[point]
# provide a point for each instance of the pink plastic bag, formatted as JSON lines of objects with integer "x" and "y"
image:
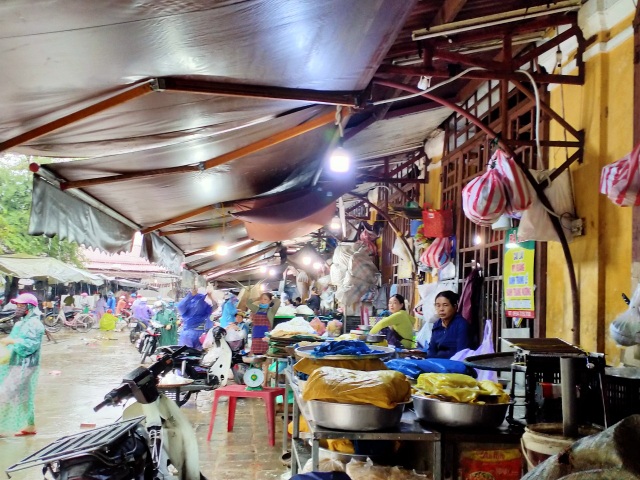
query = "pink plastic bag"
{"x": 484, "y": 198}
{"x": 485, "y": 348}
{"x": 620, "y": 181}
{"x": 519, "y": 191}
{"x": 438, "y": 254}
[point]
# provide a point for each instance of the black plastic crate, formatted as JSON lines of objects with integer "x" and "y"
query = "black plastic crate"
{"x": 622, "y": 397}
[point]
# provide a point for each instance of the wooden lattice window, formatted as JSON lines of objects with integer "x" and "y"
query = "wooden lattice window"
{"x": 467, "y": 152}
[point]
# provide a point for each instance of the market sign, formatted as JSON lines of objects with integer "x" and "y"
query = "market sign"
{"x": 518, "y": 276}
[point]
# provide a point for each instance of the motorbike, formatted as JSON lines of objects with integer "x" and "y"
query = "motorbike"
{"x": 149, "y": 340}
{"x": 210, "y": 368}
{"x": 136, "y": 329}
{"x": 154, "y": 440}
{"x": 7, "y": 321}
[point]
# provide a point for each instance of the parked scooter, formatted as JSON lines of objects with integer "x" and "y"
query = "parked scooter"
{"x": 153, "y": 441}
{"x": 7, "y": 321}
{"x": 149, "y": 340}
{"x": 208, "y": 368}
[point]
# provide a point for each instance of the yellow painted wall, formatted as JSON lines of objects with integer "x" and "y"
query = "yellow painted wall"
{"x": 603, "y": 107}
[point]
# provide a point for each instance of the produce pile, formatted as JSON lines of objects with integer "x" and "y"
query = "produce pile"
{"x": 455, "y": 387}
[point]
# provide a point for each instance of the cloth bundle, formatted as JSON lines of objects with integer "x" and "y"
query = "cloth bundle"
{"x": 383, "y": 388}
{"x": 341, "y": 347}
{"x": 413, "y": 368}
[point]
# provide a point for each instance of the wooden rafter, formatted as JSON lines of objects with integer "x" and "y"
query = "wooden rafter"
{"x": 207, "y": 259}
{"x": 448, "y": 12}
{"x": 212, "y": 248}
{"x": 231, "y": 223}
{"x": 241, "y": 260}
{"x": 313, "y": 124}
{"x": 98, "y": 107}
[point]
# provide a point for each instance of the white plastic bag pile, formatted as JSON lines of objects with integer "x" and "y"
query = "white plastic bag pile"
{"x": 353, "y": 273}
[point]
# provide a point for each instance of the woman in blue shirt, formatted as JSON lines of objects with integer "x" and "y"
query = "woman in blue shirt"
{"x": 451, "y": 331}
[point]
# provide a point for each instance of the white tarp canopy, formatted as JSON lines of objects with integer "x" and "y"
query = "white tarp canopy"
{"x": 41, "y": 268}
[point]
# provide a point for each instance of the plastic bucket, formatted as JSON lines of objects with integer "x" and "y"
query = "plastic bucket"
{"x": 543, "y": 440}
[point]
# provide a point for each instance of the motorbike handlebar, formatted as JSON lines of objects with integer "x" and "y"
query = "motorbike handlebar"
{"x": 124, "y": 391}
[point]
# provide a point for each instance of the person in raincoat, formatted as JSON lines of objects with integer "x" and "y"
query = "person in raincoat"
{"x": 166, "y": 317}
{"x": 111, "y": 301}
{"x": 108, "y": 321}
{"x": 229, "y": 310}
{"x": 19, "y": 377}
{"x": 141, "y": 310}
{"x": 196, "y": 309}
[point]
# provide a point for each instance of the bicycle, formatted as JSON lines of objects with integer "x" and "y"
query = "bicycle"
{"x": 75, "y": 319}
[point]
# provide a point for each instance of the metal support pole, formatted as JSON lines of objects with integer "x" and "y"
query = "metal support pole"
{"x": 569, "y": 382}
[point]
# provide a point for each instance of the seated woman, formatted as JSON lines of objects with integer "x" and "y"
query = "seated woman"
{"x": 399, "y": 324}
{"x": 451, "y": 332}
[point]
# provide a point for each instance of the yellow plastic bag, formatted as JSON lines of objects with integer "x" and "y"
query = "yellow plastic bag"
{"x": 309, "y": 365}
{"x": 382, "y": 388}
{"x": 460, "y": 388}
{"x": 341, "y": 445}
{"x": 303, "y": 426}
{"x": 5, "y": 355}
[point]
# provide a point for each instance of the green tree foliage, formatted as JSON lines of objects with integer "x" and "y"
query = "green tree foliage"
{"x": 15, "y": 208}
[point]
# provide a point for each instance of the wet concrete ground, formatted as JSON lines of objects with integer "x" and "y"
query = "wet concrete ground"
{"x": 77, "y": 372}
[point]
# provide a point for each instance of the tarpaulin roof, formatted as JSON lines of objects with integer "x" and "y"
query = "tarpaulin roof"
{"x": 51, "y": 269}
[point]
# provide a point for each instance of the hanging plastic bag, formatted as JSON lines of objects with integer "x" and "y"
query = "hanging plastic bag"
{"x": 484, "y": 198}
{"x": 535, "y": 223}
{"x": 485, "y": 348}
{"x": 437, "y": 223}
{"x": 520, "y": 192}
{"x": 625, "y": 329}
{"x": 620, "y": 181}
{"x": 438, "y": 254}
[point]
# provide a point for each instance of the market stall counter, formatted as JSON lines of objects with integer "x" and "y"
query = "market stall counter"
{"x": 409, "y": 429}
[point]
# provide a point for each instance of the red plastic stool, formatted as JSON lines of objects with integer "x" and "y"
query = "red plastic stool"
{"x": 234, "y": 392}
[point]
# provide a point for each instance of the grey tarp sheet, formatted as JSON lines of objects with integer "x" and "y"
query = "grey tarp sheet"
{"x": 54, "y": 212}
{"x": 51, "y": 269}
{"x": 157, "y": 251}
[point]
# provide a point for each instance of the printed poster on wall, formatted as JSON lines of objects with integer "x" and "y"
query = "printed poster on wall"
{"x": 518, "y": 276}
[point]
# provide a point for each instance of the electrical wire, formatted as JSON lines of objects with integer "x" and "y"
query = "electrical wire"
{"x": 430, "y": 89}
{"x": 537, "y": 96}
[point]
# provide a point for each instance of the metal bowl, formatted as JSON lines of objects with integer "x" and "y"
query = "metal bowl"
{"x": 358, "y": 418}
{"x": 375, "y": 338}
{"x": 454, "y": 414}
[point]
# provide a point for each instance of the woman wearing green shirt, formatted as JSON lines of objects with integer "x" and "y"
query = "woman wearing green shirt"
{"x": 399, "y": 324}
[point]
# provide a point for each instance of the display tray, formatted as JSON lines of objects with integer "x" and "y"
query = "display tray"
{"x": 497, "y": 362}
{"x": 378, "y": 352}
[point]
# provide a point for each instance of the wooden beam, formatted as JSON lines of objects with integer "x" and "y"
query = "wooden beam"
{"x": 231, "y": 223}
{"x": 204, "y": 261}
{"x": 321, "y": 121}
{"x": 212, "y": 248}
{"x": 546, "y": 46}
{"x": 247, "y": 258}
{"x": 461, "y": 58}
{"x": 448, "y": 12}
{"x": 481, "y": 75}
{"x": 98, "y": 107}
{"x": 343, "y": 98}
{"x": 179, "y": 218}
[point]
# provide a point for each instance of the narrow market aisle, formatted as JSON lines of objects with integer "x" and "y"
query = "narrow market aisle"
{"x": 77, "y": 372}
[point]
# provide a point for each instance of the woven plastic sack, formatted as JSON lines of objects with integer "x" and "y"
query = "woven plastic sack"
{"x": 484, "y": 198}
{"x": 438, "y": 254}
{"x": 625, "y": 329}
{"x": 620, "y": 181}
{"x": 382, "y": 388}
{"x": 520, "y": 193}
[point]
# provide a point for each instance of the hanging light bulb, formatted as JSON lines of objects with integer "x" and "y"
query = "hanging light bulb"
{"x": 306, "y": 260}
{"x": 272, "y": 272}
{"x": 317, "y": 265}
{"x": 263, "y": 269}
{"x": 340, "y": 160}
{"x": 477, "y": 240}
{"x": 222, "y": 250}
{"x": 335, "y": 224}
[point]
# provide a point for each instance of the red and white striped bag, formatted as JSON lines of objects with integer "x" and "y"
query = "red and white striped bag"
{"x": 484, "y": 198}
{"x": 520, "y": 193}
{"x": 438, "y": 254}
{"x": 620, "y": 181}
